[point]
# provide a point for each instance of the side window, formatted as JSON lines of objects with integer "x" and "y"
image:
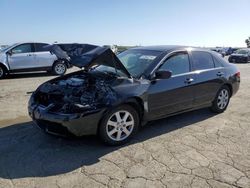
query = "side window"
{"x": 23, "y": 48}
{"x": 177, "y": 64}
{"x": 202, "y": 60}
{"x": 39, "y": 47}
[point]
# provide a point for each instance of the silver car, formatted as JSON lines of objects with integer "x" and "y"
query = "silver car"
{"x": 26, "y": 57}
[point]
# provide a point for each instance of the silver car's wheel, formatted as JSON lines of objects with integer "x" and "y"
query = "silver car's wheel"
{"x": 223, "y": 99}
{"x": 59, "y": 68}
{"x": 120, "y": 125}
{"x": 2, "y": 72}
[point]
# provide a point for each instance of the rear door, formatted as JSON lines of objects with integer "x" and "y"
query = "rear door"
{"x": 22, "y": 57}
{"x": 167, "y": 96}
{"x": 43, "y": 57}
{"x": 208, "y": 75}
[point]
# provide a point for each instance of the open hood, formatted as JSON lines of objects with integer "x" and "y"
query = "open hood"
{"x": 86, "y": 55}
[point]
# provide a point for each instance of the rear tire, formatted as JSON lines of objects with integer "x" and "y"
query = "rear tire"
{"x": 119, "y": 125}
{"x": 221, "y": 100}
{"x": 2, "y": 72}
{"x": 59, "y": 68}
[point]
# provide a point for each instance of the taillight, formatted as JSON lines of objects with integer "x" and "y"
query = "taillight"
{"x": 237, "y": 74}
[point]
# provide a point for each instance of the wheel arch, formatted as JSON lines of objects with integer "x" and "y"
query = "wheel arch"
{"x": 230, "y": 88}
{"x": 64, "y": 61}
{"x": 137, "y": 104}
{"x": 4, "y": 67}
{"x": 134, "y": 102}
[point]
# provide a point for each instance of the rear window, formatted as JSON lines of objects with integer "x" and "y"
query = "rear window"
{"x": 217, "y": 63}
{"x": 202, "y": 60}
{"x": 39, "y": 47}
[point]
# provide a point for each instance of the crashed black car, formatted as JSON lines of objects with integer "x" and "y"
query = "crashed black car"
{"x": 112, "y": 96}
{"x": 240, "y": 56}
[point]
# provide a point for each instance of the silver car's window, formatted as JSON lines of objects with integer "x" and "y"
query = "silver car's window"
{"x": 177, "y": 64}
{"x": 39, "y": 47}
{"x": 23, "y": 48}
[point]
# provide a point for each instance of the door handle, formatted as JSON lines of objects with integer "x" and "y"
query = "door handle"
{"x": 29, "y": 55}
{"x": 220, "y": 74}
{"x": 188, "y": 80}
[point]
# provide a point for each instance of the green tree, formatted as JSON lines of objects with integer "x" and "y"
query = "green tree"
{"x": 247, "y": 41}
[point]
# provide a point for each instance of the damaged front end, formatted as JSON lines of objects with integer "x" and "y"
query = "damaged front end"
{"x": 77, "y": 99}
{"x": 77, "y": 94}
{"x": 76, "y": 102}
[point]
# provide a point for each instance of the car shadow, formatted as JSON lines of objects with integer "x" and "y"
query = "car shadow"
{"x": 25, "y": 151}
{"x": 28, "y": 75}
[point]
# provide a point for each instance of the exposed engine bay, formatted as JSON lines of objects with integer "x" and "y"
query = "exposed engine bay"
{"x": 77, "y": 93}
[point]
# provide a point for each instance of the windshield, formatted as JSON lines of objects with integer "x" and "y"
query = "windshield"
{"x": 112, "y": 71}
{"x": 137, "y": 61}
{"x": 7, "y": 48}
{"x": 243, "y": 52}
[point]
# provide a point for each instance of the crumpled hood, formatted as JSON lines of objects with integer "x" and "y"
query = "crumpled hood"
{"x": 87, "y": 55}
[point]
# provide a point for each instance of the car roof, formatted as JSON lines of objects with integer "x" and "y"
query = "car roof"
{"x": 159, "y": 47}
{"x": 168, "y": 48}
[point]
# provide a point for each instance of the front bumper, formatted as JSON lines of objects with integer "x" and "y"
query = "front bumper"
{"x": 78, "y": 124}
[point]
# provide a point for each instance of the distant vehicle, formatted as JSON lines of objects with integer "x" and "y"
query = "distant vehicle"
{"x": 228, "y": 51}
{"x": 26, "y": 57}
{"x": 219, "y": 51}
{"x": 234, "y": 50}
{"x": 114, "y": 95}
{"x": 3, "y": 46}
{"x": 224, "y": 51}
{"x": 240, "y": 56}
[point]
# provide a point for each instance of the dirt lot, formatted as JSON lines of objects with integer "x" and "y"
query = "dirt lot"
{"x": 196, "y": 149}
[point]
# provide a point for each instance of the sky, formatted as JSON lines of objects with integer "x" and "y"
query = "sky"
{"x": 203, "y": 23}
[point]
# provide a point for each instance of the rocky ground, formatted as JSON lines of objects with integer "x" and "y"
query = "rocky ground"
{"x": 195, "y": 149}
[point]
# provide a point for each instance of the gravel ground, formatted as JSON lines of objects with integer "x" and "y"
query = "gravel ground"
{"x": 195, "y": 149}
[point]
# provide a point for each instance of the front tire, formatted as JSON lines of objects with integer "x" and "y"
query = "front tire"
{"x": 221, "y": 100}
{"x": 2, "y": 72}
{"x": 59, "y": 68}
{"x": 119, "y": 125}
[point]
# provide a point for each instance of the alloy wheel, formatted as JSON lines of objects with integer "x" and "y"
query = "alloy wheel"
{"x": 120, "y": 125}
{"x": 60, "y": 68}
{"x": 1, "y": 72}
{"x": 223, "y": 99}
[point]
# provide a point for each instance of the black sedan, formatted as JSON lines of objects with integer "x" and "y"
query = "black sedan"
{"x": 112, "y": 96}
{"x": 240, "y": 56}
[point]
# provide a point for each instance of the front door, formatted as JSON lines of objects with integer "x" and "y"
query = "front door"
{"x": 168, "y": 96}
{"x": 21, "y": 57}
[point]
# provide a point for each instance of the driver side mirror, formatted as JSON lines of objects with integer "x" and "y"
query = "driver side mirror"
{"x": 9, "y": 53}
{"x": 163, "y": 74}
